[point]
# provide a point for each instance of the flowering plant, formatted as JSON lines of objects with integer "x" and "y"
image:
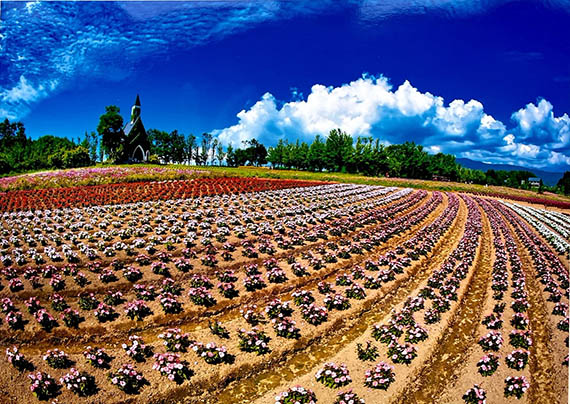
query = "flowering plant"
{"x": 144, "y": 292}
{"x": 337, "y": 301}
{"x": 520, "y": 339}
{"x": 137, "y": 349}
{"x": 519, "y": 305}
{"x": 355, "y": 291}
{"x": 277, "y": 308}
{"x": 218, "y": 329}
{"x": 172, "y": 367}
{"x": 169, "y": 303}
{"x": 137, "y": 310}
{"x": 113, "y": 298}
{"x": 325, "y": 287}
{"x": 132, "y": 274}
{"x": 519, "y": 321}
{"x": 285, "y": 327}
{"x": 333, "y": 375}
{"x": 493, "y": 321}
{"x": 516, "y": 386}
{"x": 432, "y": 316}
{"x": 302, "y": 297}
{"x": 15, "y": 320}
{"x": 43, "y": 385}
{"x": 416, "y": 333}
{"x": 253, "y": 282}
{"x": 475, "y": 395}
{"x": 105, "y": 313}
{"x": 348, "y": 397}
{"x": 250, "y": 314}
{"x": 97, "y": 357}
{"x": 127, "y": 379}
{"x": 18, "y": 360}
{"x": 492, "y": 341}
{"x": 488, "y": 364}
{"x": 71, "y": 317}
{"x": 517, "y": 359}
{"x": 81, "y": 383}
{"x": 380, "y": 377}
{"x": 296, "y": 395}
{"x": 228, "y": 290}
{"x": 253, "y": 341}
{"x": 45, "y": 319}
{"x": 368, "y": 353}
{"x": 201, "y": 296}
{"x": 175, "y": 340}
{"x": 211, "y": 353}
{"x": 57, "y": 359}
{"x": 314, "y": 314}
{"x": 58, "y": 303}
{"x": 402, "y": 353}
{"x": 87, "y": 301}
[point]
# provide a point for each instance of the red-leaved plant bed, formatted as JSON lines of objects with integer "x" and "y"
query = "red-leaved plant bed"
{"x": 108, "y": 194}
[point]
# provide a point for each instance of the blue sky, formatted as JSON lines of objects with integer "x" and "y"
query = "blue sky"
{"x": 485, "y": 80}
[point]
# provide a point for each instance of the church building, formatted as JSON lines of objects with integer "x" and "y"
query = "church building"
{"x": 137, "y": 144}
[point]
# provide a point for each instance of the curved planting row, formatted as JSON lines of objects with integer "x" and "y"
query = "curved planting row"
{"x": 527, "y": 199}
{"x": 400, "y": 347}
{"x": 356, "y": 293}
{"x": 107, "y": 194}
{"x": 548, "y": 225}
{"x": 105, "y": 312}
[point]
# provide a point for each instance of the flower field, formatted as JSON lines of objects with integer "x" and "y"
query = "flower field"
{"x": 241, "y": 290}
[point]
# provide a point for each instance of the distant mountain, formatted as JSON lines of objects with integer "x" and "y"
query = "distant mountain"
{"x": 549, "y": 178}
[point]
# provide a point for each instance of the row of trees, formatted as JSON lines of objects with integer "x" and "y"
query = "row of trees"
{"x": 19, "y": 153}
{"x": 337, "y": 153}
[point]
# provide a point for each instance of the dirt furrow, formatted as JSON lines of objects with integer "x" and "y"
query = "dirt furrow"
{"x": 223, "y": 310}
{"x": 444, "y": 364}
{"x": 247, "y": 389}
{"x": 542, "y": 360}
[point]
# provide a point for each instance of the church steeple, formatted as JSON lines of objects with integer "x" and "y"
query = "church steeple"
{"x": 136, "y": 109}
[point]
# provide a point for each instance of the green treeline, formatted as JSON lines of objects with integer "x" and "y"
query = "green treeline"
{"x": 18, "y": 153}
{"x": 338, "y": 152}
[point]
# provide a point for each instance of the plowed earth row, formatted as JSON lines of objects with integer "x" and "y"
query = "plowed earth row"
{"x": 445, "y": 365}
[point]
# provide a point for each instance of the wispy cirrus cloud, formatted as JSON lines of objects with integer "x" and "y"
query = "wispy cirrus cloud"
{"x": 54, "y": 45}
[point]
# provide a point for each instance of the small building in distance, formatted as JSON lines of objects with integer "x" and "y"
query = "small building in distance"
{"x": 137, "y": 144}
{"x": 534, "y": 182}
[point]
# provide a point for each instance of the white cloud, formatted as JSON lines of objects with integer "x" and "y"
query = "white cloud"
{"x": 537, "y": 123}
{"x": 369, "y": 106}
{"x": 15, "y": 101}
{"x": 365, "y": 107}
{"x": 23, "y": 91}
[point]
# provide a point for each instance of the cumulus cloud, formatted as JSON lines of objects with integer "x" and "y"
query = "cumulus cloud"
{"x": 371, "y": 106}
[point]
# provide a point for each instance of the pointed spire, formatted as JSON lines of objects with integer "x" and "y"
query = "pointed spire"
{"x": 138, "y": 101}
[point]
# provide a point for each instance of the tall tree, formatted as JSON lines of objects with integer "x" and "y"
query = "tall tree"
{"x": 220, "y": 153}
{"x": 190, "y": 143}
{"x": 214, "y": 149}
{"x": 206, "y": 143}
{"x": 338, "y": 150}
{"x": 231, "y": 157}
{"x": 110, "y": 129}
{"x": 316, "y": 158}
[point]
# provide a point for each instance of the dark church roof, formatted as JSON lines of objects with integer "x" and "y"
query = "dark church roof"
{"x": 130, "y": 125}
{"x": 138, "y": 101}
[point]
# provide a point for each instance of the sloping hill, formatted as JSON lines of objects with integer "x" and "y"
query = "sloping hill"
{"x": 549, "y": 178}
